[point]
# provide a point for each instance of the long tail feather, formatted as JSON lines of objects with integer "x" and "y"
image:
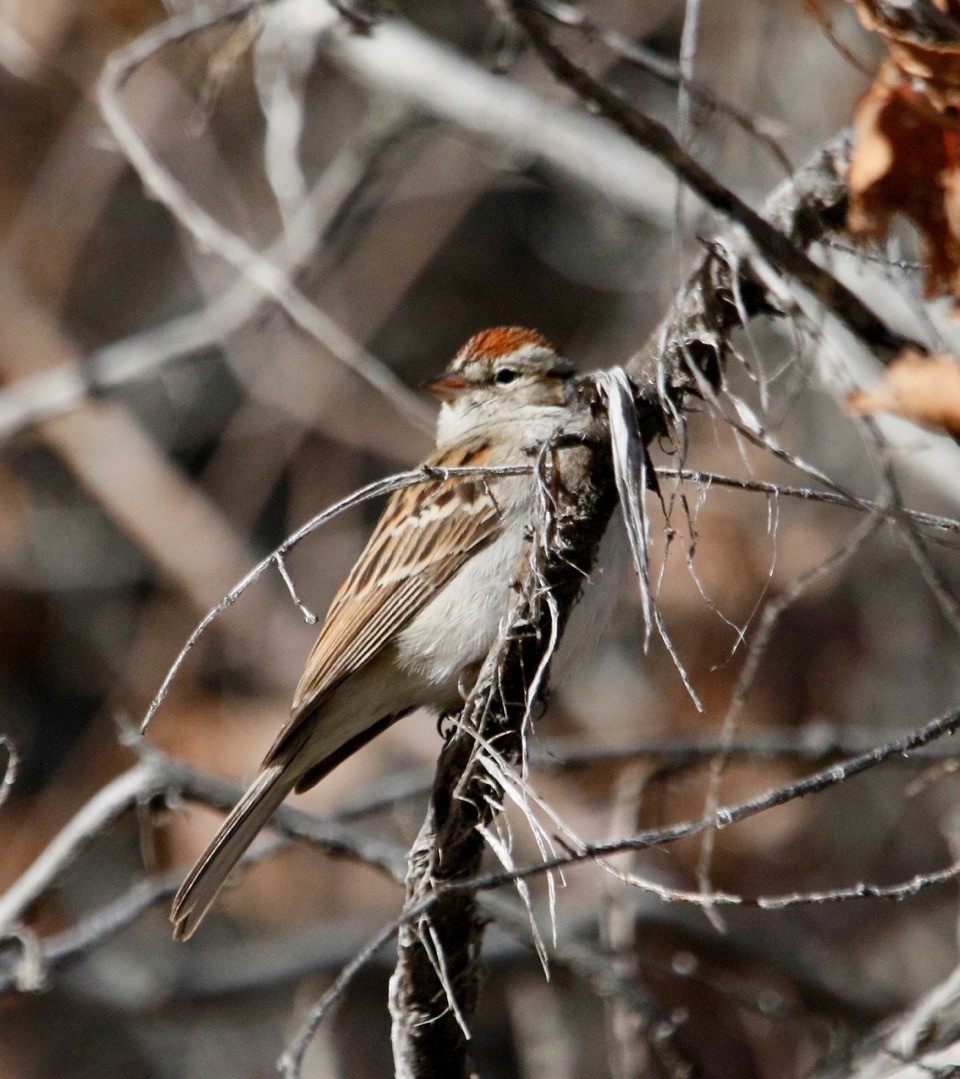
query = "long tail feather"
{"x": 275, "y": 781}
{"x": 238, "y": 831}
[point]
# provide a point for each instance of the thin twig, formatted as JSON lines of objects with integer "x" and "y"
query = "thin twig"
{"x": 666, "y": 71}
{"x": 64, "y": 387}
{"x": 276, "y": 557}
{"x": 832, "y": 497}
{"x": 141, "y": 781}
{"x": 772, "y": 613}
{"x": 291, "y": 1062}
{"x": 207, "y": 231}
{"x": 840, "y": 301}
{"x": 169, "y": 778}
{"x": 725, "y": 816}
{"x": 10, "y": 768}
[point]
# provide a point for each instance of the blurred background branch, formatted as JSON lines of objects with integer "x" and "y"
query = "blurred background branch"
{"x": 335, "y": 199}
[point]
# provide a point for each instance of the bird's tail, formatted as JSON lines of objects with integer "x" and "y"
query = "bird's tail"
{"x": 238, "y": 831}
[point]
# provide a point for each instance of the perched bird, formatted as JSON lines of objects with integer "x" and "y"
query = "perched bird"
{"x": 424, "y": 601}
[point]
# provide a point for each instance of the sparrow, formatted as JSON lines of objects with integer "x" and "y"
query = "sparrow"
{"x": 422, "y": 606}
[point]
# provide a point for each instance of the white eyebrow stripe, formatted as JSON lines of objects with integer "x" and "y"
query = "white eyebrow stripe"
{"x": 529, "y": 351}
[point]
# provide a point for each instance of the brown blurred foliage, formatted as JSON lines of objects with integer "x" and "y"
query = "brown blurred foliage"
{"x": 925, "y": 389}
{"x": 906, "y": 157}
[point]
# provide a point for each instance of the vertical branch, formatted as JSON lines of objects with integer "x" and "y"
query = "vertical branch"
{"x": 433, "y": 990}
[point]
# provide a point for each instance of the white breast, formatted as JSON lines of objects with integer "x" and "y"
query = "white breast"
{"x": 457, "y": 628}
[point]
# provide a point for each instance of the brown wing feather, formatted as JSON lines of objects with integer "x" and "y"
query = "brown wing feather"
{"x": 417, "y": 546}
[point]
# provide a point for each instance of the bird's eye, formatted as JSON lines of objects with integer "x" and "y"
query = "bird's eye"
{"x": 504, "y": 375}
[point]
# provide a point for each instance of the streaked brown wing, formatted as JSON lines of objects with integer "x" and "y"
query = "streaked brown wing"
{"x": 423, "y": 537}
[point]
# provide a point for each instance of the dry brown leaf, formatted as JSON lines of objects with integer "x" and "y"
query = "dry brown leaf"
{"x": 906, "y": 153}
{"x": 925, "y": 389}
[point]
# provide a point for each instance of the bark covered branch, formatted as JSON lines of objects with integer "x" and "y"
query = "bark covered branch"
{"x": 434, "y": 988}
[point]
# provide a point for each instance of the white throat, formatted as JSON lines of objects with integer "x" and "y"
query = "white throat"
{"x": 527, "y": 424}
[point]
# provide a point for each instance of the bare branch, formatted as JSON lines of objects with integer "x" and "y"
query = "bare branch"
{"x": 422, "y": 1035}
{"x": 770, "y": 241}
{"x": 427, "y": 1037}
{"x": 399, "y": 61}
{"x": 64, "y": 387}
{"x": 725, "y": 816}
{"x": 773, "y": 611}
{"x": 278, "y": 555}
{"x": 207, "y": 231}
{"x": 10, "y": 768}
{"x": 834, "y": 497}
{"x": 292, "y": 1060}
{"x": 666, "y": 71}
{"x": 141, "y": 781}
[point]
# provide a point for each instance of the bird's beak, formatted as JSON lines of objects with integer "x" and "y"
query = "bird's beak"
{"x": 447, "y": 388}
